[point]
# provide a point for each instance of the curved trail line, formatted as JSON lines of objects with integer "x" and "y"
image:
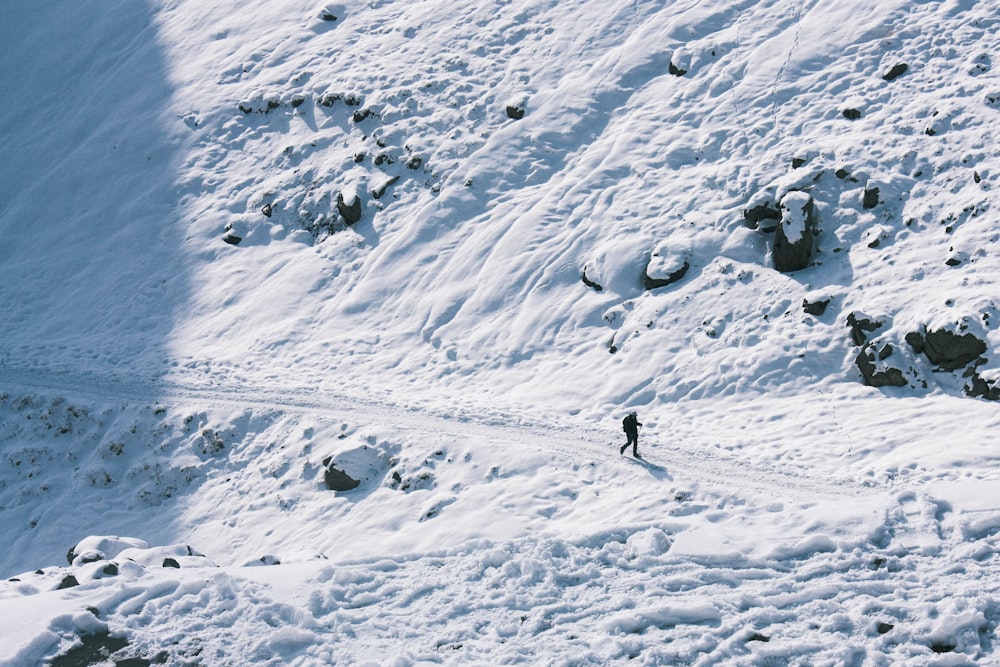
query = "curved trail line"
{"x": 571, "y": 440}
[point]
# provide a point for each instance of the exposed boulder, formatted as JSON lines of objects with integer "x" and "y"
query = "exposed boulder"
{"x": 870, "y": 199}
{"x": 861, "y": 325}
{"x": 665, "y": 267}
{"x": 354, "y": 467}
{"x": 680, "y": 63}
{"x": 981, "y": 387}
{"x": 338, "y": 480}
{"x": 851, "y": 113}
{"x": 793, "y": 240}
{"x": 947, "y": 349}
{"x": 816, "y": 307}
{"x": 762, "y": 212}
{"x": 597, "y": 287}
{"x": 896, "y": 71}
{"x": 379, "y": 191}
{"x": 349, "y": 205}
{"x": 874, "y": 370}
{"x": 516, "y": 107}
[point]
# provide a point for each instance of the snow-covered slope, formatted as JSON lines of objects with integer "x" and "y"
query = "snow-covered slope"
{"x": 444, "y": 247}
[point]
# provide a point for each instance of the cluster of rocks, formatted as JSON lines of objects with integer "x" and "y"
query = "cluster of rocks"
{"x": 947, "y": 348}
{"x": 318, "y": 213}
{"x": 103, "y": 556}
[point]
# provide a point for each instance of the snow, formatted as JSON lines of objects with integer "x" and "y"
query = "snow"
{"x": 170, "y": 400}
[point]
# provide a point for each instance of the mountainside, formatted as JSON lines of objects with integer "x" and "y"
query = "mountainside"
{"x": 439, "y": 249}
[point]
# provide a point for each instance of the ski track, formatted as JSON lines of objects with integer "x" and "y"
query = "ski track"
{"x": 567, "y": 439}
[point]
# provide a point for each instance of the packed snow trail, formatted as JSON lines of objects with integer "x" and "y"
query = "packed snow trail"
{"x": 555, "y": 434}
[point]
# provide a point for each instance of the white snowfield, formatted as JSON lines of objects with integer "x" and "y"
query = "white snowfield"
{"x": 251, "y": 249}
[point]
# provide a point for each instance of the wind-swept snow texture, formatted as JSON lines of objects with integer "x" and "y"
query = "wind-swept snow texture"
{"x": 439, "y": 249}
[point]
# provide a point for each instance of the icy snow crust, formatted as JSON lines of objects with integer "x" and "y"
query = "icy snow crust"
{"x": 168, "y": 397}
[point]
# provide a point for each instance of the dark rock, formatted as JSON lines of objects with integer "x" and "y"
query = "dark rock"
{"x": 752, "y": 217}
{"x": 916, "y": 341}
{"x": 976, "y": 177}
{"x": 873, "y": 377}
{"x": 267, "y": 210}
{"x": 414, "y": 162}
{"x": 232, "y": 239}
{"x": 99, "y": 648}
{"x": 983, "y": 388}
{"x": 383, "y": 158}
{"x": 362, "y": 115}
{"x": 871, "y": 197}
{"x": 859, "y": 324}
{"x": 71, "y": 554}
{"x": 897, "y": 70}
{"x": 953, "y": 261}
{"x": 817, "y": 307}
{"x": 350, "y": 210}
{"x": 757, "y": 637}
{"x": 327, "y": 15}
{"x": 590, "y": 283}
{"x": 329, "y": 100}
{"x": 950, "y": 350}
{"x": 841, "y": 173}
{"x": 672, "y": 277}
{"x": 338, "y": 480}
{"x": 793, "y": 240}
{"x": 798, "y": 162}
{"x": 69, "y": 581}
{"x": 298, "y": 100}
{"x": 171, "y": 562}
{"x": 110, "y": 569}
{"x": 675, "y": 70}
{"x": 851, "y": 114}
{"x": 883, "y": 628}
{"x": 380, "y": 191}
{"x": 942, "y": 647}
{"x": 515, "y": 111}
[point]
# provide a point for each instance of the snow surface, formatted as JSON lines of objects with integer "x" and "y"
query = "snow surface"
{"x": 168, "y": 397}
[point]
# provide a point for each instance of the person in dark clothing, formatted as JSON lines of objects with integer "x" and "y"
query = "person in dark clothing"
{"x": 631, "y": 427}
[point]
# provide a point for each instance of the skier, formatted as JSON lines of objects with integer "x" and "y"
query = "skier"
{"x": 631, "y": 427}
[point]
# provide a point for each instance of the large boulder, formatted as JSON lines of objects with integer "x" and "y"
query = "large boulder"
{"x": 349, "y": 205}
{"x": 793, "y": 240}
{"x": 947, "y": 349}
{"x": 665, "y": 267}
{"x": 875, "y": 372}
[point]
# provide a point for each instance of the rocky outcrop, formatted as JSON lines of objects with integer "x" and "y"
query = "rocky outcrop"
{"x": 336, "y": 479}
{"x": 762, "y": 212}
{"x": 861, "y": 325}
{"x": 947, "y": 349}
{"x": 662, "y": 280}
{"x": 793, "y": 240}
{"x": 349, "y": 206}
{"x": 666, "y": 266}
{"x": 981, "y": 387}
{"x": 874, "y": 370}
{"x": 816, "y": 307}
{"x": 896, "y": 71}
